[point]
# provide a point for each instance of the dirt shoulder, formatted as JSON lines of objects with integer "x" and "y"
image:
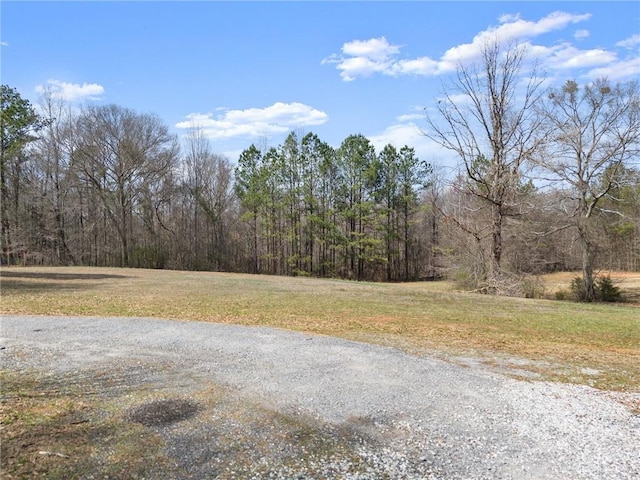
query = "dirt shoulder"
{"x": 127, "y": 397}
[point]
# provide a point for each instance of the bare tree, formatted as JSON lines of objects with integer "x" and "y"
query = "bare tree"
{"x": 593, "y": 133}
{"x": 122, "y": 155}
{"x": 433, "y": 197}
{"x": 208, "y": 179}
{"x": 52, "y": 156}
{"x": 486, "y": 118}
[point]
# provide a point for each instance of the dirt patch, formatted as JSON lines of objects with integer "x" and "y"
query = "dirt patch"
{"x": 159, "y": 413}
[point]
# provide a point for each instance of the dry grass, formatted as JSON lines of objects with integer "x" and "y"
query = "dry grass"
{"x": 53, "y": 428}
{"x": 59, "y": 427}
{"x": 594, "y": 344}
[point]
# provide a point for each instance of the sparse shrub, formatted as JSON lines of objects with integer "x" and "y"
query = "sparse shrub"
{"x": 463, "y": 280}
{"x": 148, "y": 257}
{"x": 562, "y": 295}
{"x": 300, "y": 273}
{"x": 578, "y": 289}
{"x": 532, "y": 287}
{"x": 504, "y": 283}
{"x": 605, "y": 290}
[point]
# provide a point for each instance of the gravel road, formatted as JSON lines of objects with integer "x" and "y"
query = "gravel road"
{"x": 390, "y": 414}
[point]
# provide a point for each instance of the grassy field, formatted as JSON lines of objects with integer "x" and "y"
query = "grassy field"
{"x": 594, "y": 344}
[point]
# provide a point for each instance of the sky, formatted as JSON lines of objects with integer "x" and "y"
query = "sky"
{"x": 251, "y": 72}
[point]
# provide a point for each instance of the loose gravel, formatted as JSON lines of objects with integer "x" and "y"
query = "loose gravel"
{"x": 322, "y": 407}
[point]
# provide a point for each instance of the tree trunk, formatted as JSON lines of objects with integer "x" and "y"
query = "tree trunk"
{"x": 4, "y": 201}
{"x": 124, "y": 252}
{"x": 406, "y": 241}
{"x": 256, "y": 267}
{"x": 587, "y": 266}
{"x": 496, "y": 244}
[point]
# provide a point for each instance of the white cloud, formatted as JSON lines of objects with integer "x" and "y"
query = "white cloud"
{"x": 581, "y": 34}
{"x": 509, "y": 17}
{"x": 408, "y": 117}
{"x": 569, "y": 57}
{"x": 255, "y": 122}
{"x": 618, "y": 70}
{"x": 362, "y": 58}
{"x": 4, "y": 44}
{"x": 72, "y": 91}
{"x": 418, "y": 66}
{"x": 411, "y": 135}
{"x": 631, "y": 42}
{"x": 514, "y": 29}
{"x": 288, "y": 114}
{"x": 398, "y": 135}
{"x": 359, "y": 67}
{"x": 526, "y": 29}
{"x": 376, "y": 49}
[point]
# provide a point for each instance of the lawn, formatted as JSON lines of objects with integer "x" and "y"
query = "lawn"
{"x": 594, "y": 344}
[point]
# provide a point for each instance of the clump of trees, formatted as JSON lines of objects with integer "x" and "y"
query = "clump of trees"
{"x": 549, "y": 180}
{"x": 556, "y": 170}
{"x": 19, "y": 125}
{"x": 347, "y": 212}
{"x": 592, "y": 143}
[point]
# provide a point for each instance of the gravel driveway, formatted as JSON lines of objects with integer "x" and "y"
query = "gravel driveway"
{"x": 388, "y": 414}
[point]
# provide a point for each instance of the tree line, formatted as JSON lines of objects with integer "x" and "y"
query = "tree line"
{"x": 108, "y": 186}
{"x": 549, "y": 180}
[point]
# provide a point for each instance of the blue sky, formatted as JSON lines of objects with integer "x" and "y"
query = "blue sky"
{"x": 253, "y": 71}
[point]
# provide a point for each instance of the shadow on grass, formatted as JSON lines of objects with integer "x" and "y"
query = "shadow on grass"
{"x": 631, "y": 298}
{"x": 59, "y": 276}
{"x": 18, "y": 286}
{"x": 22, "y": 281}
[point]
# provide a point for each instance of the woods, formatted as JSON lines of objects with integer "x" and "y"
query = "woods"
{"x": 346, "y": 212}
{"x": 549, "y": 181}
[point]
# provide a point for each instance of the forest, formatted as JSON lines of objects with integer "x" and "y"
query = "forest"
{"x": 548, "y": 180}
